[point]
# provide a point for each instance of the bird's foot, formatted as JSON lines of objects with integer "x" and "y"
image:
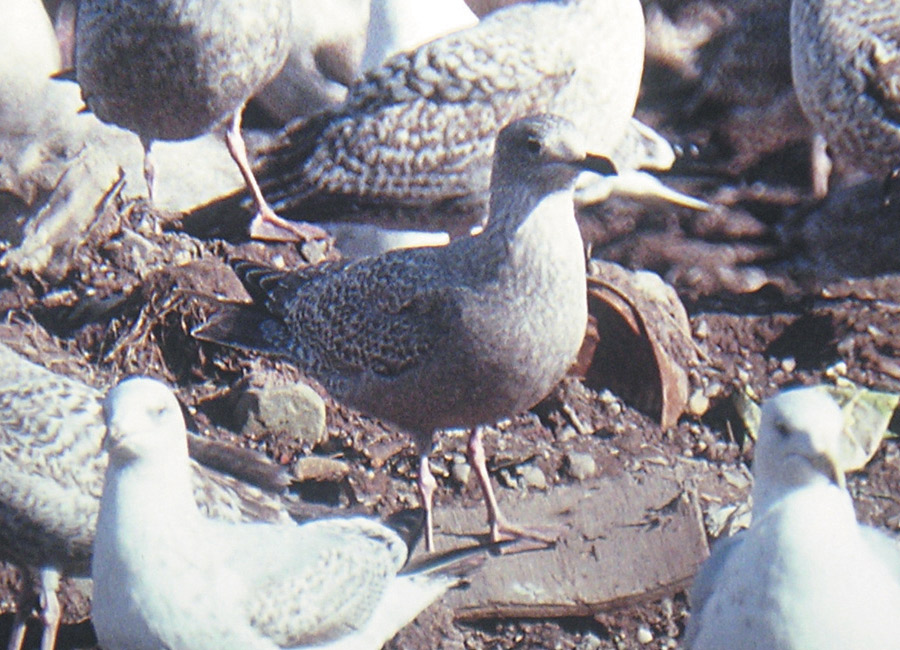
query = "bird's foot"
{"x": 269, "y": 226}
{"x": 539, "y": 536}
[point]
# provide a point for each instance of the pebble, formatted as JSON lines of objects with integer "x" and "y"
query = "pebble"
{"x": 644, "y": 635}
{"x": 789, "y": 364}
{"x": 702, "y": 330}
{"x": 294, "y": 410}
{"x": 317, "y": 468}
{"x": 533, "y": 477}
{"x": 698, "y": 403}
{"x": 580, "y": 466}
{"x": 566, "y": 433}
{"x": 461, "y": 471}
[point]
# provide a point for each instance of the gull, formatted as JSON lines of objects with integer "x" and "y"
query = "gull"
{"x": 175, "y": 69}
{"x": 411, "y": 146}
{"x": 845, "y": 60}
{"x": 51, "y": 477}
{"x": 456, "y": 336}
{"x": 805, "y": 574}
{"x": 167, "y": 577}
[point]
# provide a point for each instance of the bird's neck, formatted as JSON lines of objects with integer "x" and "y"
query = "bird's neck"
{"x": 818, "y": 503}
{"x": 526, "y": 219}
{"x": 145, "y": 496}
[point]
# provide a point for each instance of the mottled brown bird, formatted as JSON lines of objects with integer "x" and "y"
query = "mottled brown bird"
{"x": 411, "y": 146}
{"x": 845, "y": 58}
{"x": 455, "y": 336}
{"x": 175, "y": 69}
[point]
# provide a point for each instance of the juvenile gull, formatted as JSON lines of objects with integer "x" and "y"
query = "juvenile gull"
{"x": 167, "y": 577}
{"x": 175, "y": 69}
{"x": 411, "y": 146}
{"x": 805, "y": 574}
{"x": 51, "y": 477}
{"x": 845, "y": 59}
{"x": 456, "y": 336}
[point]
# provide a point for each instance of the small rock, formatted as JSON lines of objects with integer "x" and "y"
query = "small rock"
{"x": 580, "y": 466}
{"x": 839, "y": 369}
{"x": 317, "y": 468}
{"x": 702, "y": 330}
{"x": 644, "y": 635}
{"x": 460, "y": 471}
{"x": 533, "y": 477}
{"x": 590, "y": 641}
{"x": 294, "y": 410}
{"x": 698, "y": 403}
{"x": 789, "y": 364}
{"x": 566, "y": 433}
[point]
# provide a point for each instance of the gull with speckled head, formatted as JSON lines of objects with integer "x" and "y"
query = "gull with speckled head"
{"x": 805, "y": 574}
{"x": 167, "y": 577}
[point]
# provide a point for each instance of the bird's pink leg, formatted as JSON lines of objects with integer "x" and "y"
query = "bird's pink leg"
{"x": 500, "y": 528}
{"x": 266, "y": 224}
{"x": 427, "y": 486}
{"x": 51, "y": 614}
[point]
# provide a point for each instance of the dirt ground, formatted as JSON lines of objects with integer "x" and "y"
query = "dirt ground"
{"x": 780, "y": 290}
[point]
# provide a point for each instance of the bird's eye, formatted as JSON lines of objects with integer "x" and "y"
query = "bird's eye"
{"x": 783, "y": 429}
{"x": 533, "y": 145}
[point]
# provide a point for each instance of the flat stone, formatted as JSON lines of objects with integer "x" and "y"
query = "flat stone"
{"x": 318, "y": 468}
{"x": 623, "y": 538}
{"x": 293, "y": 410}
{"x": 580, "y": 466}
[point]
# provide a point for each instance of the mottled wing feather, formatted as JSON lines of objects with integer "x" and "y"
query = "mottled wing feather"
{"x": 420, "y": 129}
{"x": 320, "y": 581}
{"x": 880, "y": 56}
{"x": 405, "y": 317}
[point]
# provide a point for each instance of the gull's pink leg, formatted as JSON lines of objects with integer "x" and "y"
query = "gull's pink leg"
{"x": 266, "y": 224}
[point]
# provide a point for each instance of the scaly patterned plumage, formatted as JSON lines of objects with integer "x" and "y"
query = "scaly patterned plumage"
{"x": 845, "y": 56}
{"x": 167, "y": 577}
{"x": 412, "y": 144}
{"x": 455, "y": 336}
{"x": 51, "y": 471}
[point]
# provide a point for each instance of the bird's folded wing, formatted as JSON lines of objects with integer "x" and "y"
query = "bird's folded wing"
{"x": 316, "y": 582}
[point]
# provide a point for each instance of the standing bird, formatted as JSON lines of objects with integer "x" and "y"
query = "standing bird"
{"x": 51, "y": 477}
{"x": 455, "y": 336}
{"x": 805, "y": 574}
{"x": 167, "y": 577}
{"x": 175, "y": 69}
{"x": 411, "y": 146}
{"x": 845, "y": 59}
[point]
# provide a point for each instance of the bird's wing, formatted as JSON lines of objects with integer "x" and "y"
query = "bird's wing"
{"x": 424, "y": 121}
{"x": 381, "y": 315}
{"x": 316, "y": 582}
{"x": 878, "y": 58}
{"x": 706, "y": 579}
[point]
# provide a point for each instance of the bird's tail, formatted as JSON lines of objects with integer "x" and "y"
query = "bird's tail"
{"x": 243, "y": 327}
